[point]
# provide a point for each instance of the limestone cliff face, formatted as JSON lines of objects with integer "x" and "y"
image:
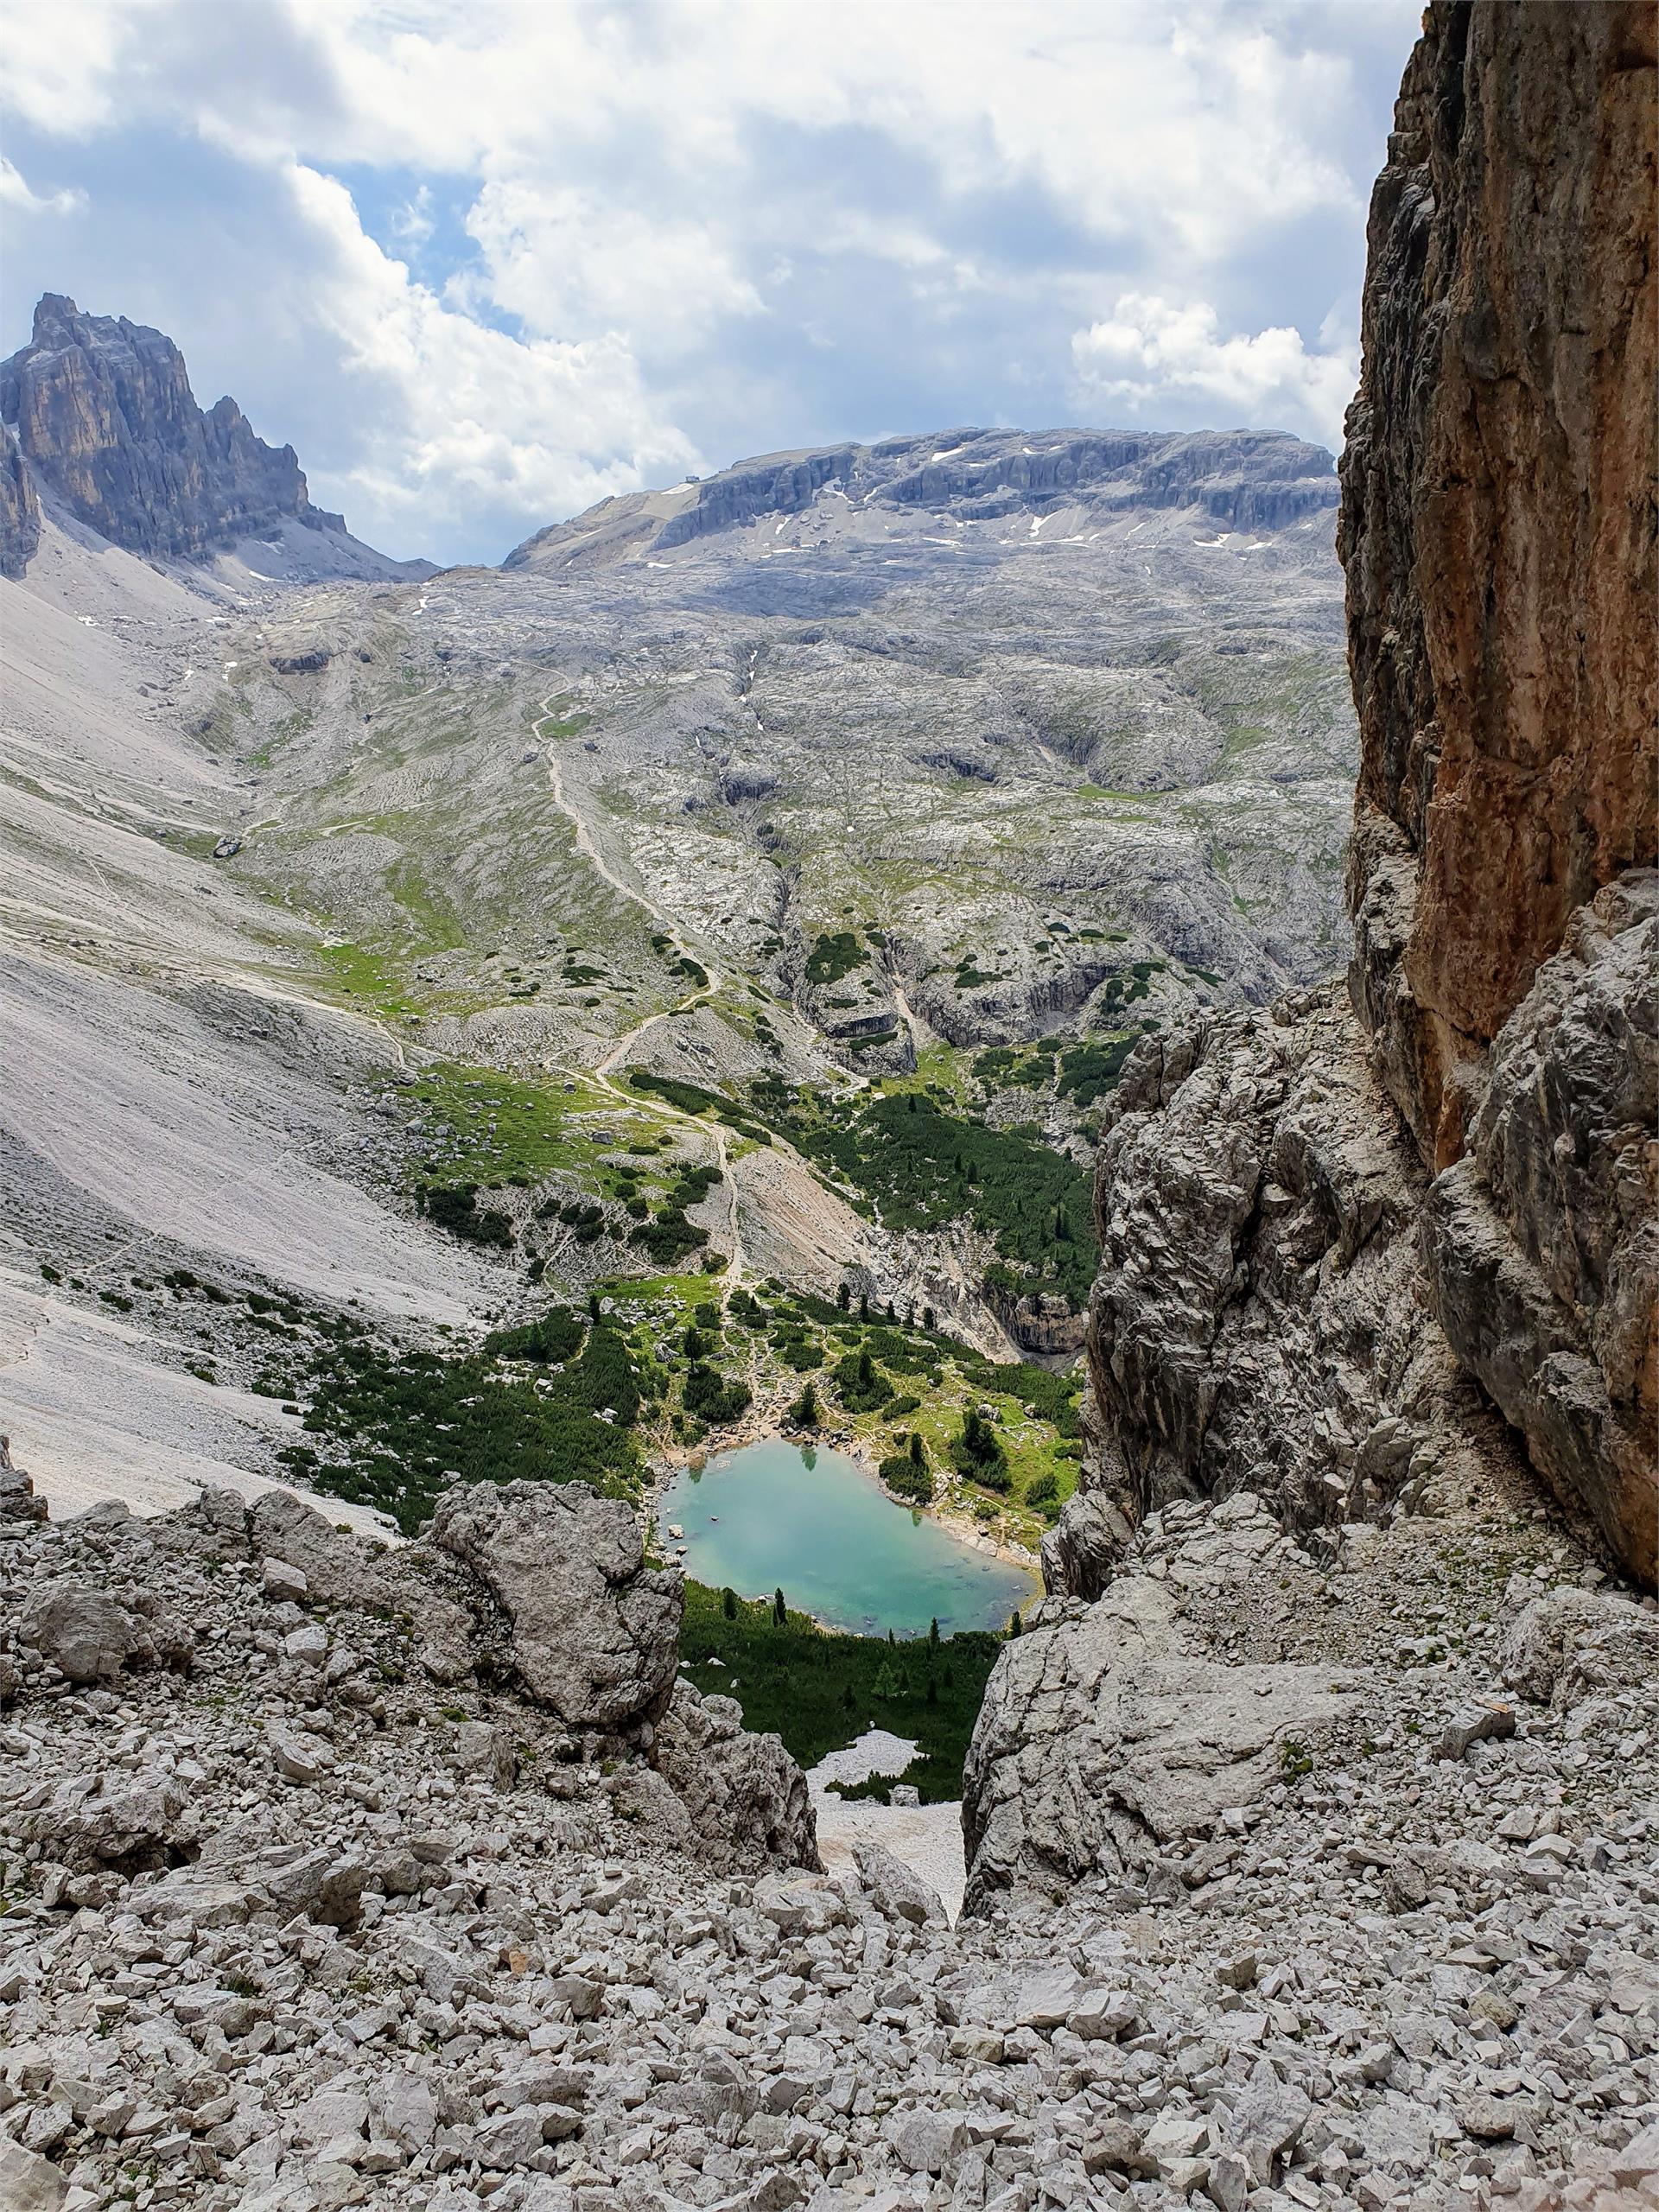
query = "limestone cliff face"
{"x": 1243, "y": 480}
{"x": 20, "y": 510}
{"x": 1498, "y": 527}
{"x": 1295, "y": 1288}
{"x": 102, "y": 410}
{"x": 1261, "y": 1321}
{"x": 1543, "y": 1242}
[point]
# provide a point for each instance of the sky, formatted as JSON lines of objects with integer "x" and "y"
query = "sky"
{"x": 483, "y": 263}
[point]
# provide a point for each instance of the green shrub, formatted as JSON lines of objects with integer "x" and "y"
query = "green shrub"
{"x": 860, "y": 1384}
{"x": 1090, "y": 1068}
{"x": 804, "y": 1412}
{"x": 453, "y": 1206}
{"x": 392, "y": 1429}
{"x": 832, "y": 958}
{"x": 553, "y": 1336}
{"x": 906, "y": 1478}
{"x": 668, "y": 1237}
{"x": 921, "y": 1165}
{"x": 978, "y": 1452}
{"x": 711, "y": 1398}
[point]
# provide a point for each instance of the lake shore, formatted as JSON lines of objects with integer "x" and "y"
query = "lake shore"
{"x": 850, "y": 1555}
{"x": 763, "y": 1426}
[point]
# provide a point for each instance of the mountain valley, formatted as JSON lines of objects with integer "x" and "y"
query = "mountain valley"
{"x": 1038, "y": 1053}
{"x": 825, "y": 833}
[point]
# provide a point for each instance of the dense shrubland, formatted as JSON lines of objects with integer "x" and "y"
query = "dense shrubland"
{"x": 819, "y": 1689}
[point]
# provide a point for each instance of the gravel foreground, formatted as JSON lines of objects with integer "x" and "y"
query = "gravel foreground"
{"x": 312, "y": 1901}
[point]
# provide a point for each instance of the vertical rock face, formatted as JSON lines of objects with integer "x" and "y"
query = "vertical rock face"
{"x": 20, "y": 510}
{"x": 103, "y": 410}
{"x": 1498, "y": 531}
{"x": 1293, "y": 1293}
{"x": 1259, "y": 1321}
{"x": 1543, "y": 1242}
{"x": 1498, "y": 526}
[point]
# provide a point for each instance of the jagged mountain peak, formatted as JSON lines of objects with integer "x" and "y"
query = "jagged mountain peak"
{"x": 100, "y": 416}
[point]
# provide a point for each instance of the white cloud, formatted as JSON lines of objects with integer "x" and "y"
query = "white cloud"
{"x": 459, "y": 416}
{"x": 15, "y": 194}
{"x": 637, "y": 231}
{"x": 61, "y": 70}
{"x": 564, "y": 260}
{"x": 1150, "y": 352}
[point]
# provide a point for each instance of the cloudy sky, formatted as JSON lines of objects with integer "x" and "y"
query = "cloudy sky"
{"x": 482, "y": 264}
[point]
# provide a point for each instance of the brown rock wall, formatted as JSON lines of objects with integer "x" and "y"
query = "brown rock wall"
{"x": 1498, "y": 526}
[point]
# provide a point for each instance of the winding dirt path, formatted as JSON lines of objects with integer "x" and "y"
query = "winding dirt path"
{"x": 602, "y": 1069}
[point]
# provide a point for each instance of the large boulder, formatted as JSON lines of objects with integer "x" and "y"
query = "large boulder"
{"x": 1109, "y": 1731}
{"x": 130, "y": 1822}
{"x": 30, "y": 2182}
{"x": 336, "y": 1564}
{"x": 590, "y": 1631}
{"x": 745, "y": 1796}
{"x": 1570, "y": 1643}
{"x": 88, "y": 1633}
{"x": 1080, "y": 1553}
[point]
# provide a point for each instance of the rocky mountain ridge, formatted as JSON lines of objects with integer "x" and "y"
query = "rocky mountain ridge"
{"x": 101, "y": 409}
{"x": 1248, "y": 479}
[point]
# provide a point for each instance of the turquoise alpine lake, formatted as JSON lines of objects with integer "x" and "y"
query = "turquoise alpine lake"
{"x": 811, "y": 1523}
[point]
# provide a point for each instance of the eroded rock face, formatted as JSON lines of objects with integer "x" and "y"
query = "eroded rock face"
{"x": 1080, "y": 1553}
{"x": 745, "y": 1796}
{"x": 1498, "y": 533}
{"x": 1498, "y": 526}
{"x": 1109, "y": 1732}
{"x": 1249, "y": 480}
{"x": 20, "y": 510}
{"x": 104, "y": 410}
{"x": 1258, "y": 1320}
{"x": 1543, "y": 1240}
{"x": 593, "y": 1632}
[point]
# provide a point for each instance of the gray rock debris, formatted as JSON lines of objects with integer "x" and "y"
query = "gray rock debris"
{"x": 1570, "y": 1643}
{"x": 428, "y": 1978}
{"x": 895, "y": 1889}
{"x": 88, "y": 1633}
{"x": 17, "y": 1500}
{"x": 745, "y": 1797}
